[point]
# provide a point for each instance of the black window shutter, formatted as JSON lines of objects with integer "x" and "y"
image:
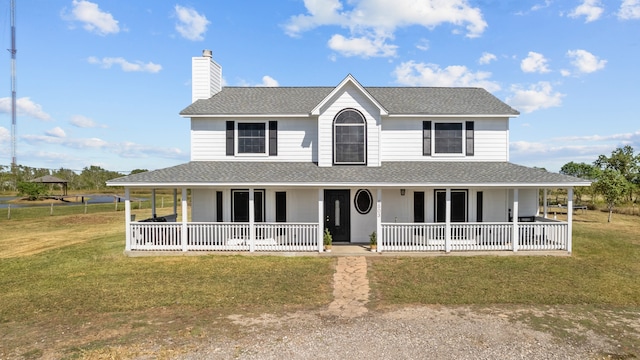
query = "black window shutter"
{"x": 281, "y": 206}
{"x": 418, "y": 207}
{"x": 470, "y": 138}
{"x": 219, "y": 217}
{"x": 426, "y": 138}
{"x": 273, "y": 138}
{"x": 479, "y": 206}
{"x": 230, "y": 136}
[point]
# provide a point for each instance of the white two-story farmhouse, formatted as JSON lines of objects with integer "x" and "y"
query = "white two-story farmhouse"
{"x": 426, "y": 169}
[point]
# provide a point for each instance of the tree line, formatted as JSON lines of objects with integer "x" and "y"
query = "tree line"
{"x": 90, "y": 178}
{"x": 616, "y": 177}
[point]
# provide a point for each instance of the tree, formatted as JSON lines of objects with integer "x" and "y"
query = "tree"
{"x": 73, "y": 179}
{"x": 626, "y": 163}
{"x": 31, "y": 190}
{"x": 613, "y": 186}
{"x": 137, "y": 171}
{"x": 583, "y": 171}
{"x": 95, "y": 177}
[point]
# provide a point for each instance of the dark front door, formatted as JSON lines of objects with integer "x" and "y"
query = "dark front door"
{"x": 337, "y": 215}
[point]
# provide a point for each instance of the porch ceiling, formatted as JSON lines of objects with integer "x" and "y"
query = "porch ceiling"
{"x": 390, "y": 174}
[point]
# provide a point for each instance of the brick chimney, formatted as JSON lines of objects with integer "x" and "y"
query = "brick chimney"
{"x": 206, "y": 76}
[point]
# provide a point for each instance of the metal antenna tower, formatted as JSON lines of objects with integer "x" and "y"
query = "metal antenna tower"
{"x": 13, "y": 52}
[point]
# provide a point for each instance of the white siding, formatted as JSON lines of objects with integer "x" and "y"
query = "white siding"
{"x": 528, "y": 203}
{"x": 397, "y": 208}
{"x": 495, "y": 205}
{"x": 402, "y": 140}
{"x": 491, "y": 140}
{"x": 349, "y": 97}
{"x": 302, "y": 205}
{"x": 296, "y": 140}
{"x": 203, "y": 205}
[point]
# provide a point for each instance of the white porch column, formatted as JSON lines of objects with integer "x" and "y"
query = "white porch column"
{"x": 379, "y": 220}
{"x": 127, "y": 219}
{"x": 569, "y": 218}
{"x": 175, "y": 201}
{"x": 447, "y": 224}
{"x": 320, "y": 219}
{"x": 153, "y": 203}
{"x": 184, "y": 219}
{"x": 252, "y": 220}
{"x": 545, "y": 204}
{"x": 515, "y": 235}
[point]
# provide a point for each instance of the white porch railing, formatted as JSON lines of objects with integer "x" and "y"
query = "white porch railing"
{"x": 545, "y": 235}
{"x": 205, "y": 236}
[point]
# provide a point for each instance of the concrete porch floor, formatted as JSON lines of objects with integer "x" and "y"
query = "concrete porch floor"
{"x": 342, "y": 250}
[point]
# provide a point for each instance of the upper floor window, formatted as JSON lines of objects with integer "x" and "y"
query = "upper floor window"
{"x": 251, "y": 138}
{"x": 350, "y": 140}
{"x": 448, "y": 138}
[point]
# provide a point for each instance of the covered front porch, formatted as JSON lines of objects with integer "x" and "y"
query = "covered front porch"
{"x": 518, "y": 231}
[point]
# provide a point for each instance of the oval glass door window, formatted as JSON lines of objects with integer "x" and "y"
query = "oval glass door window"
{"x": 363, "y": 201}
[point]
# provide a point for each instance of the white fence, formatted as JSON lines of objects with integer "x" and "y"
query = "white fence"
{"x": 474, "y": 236}
{"x": 204, "y": 236}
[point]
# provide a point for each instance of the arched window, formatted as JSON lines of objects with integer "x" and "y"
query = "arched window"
{"x": 349, "y": 138}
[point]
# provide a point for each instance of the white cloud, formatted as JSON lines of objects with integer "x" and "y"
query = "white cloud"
{"x": 585, "y": 62}
{"x": 553, "y": 153}
{"x": 130, "y": 150}
{"x": 487, "y": 58}
{"x": 629, "y": 10}
{"x": 537, "y": 96}
{"x": 5, "y": 135}
{"x": 537, "y": 7}
{"x": 534, "y": 62}
{"x": 56, "y": 132}
{"x": 423, "y": 45}
{"x": 420, "y": 74}
{"x": 372, "y": 22}
{"x": 268, "y": 81}
{"x": 362, "y": 46}
{"x": 125, "y": 65}
{"x": 24, "y": 107}
{"x": 590, "y": 9}
{"x": 191, "y": 25}
{"x": 94, "y": 19}
{"x": 80, "y": 143}
{"x": 84, "y": 122}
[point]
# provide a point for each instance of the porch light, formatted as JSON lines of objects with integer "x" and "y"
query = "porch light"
{"x": 402, "y": 192}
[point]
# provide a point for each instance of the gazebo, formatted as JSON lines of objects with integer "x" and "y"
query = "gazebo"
{"x": 48, "y": 179}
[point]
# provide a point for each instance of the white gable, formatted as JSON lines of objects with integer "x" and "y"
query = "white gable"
{"x": 348, "y": 81}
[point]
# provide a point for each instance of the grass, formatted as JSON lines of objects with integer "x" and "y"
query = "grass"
{"x": 604, "y": 269}
{"x": 595, "y": 290}
{"x": 70, "y": 278}
{"x": 66, "y": 282}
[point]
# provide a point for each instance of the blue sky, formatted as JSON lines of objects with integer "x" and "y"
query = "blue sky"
{"x": 101, "y": 82}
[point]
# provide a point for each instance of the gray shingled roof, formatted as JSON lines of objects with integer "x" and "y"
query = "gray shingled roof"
{"x": 396, "y": 100}
{"x": 198, "y": 173}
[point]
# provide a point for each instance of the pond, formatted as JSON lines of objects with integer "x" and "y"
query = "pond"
{"x": 90, "y": 199}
